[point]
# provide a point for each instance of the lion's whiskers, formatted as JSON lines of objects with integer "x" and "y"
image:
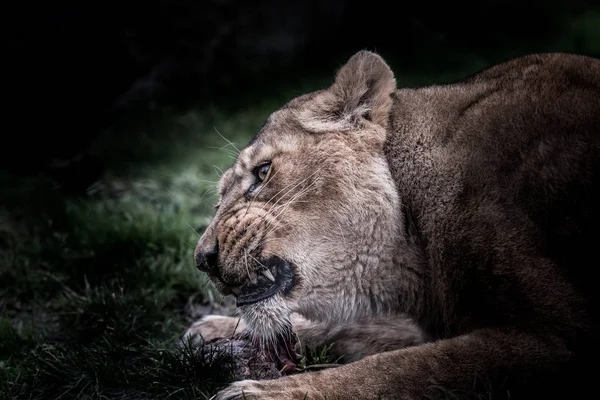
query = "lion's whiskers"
{"x": 207, "y": 181}
{"x": 225, "y": 150}
{"x": 291, "y": 201}
{"x": 280, "y": 209}
{"x": 283, "y": 207}
{"x": 219, "y": 171}
{"x": 194, "y": 229}
{"x": 206, "y": 191}
{"x": 259, "y": 190}
{"x": 264, "y": 241}
{"x": 229, "y": 142}
{"x": 230, "y": 153}
{"x": 272, "y": 229}
{"x": 289, "y": 188}
{"x": 254, "y": 258}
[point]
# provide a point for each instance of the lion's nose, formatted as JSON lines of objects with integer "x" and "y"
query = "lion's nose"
{"x": 208, "y": 261}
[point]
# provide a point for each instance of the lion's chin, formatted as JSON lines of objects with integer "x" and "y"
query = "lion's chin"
{"x": 270, "y": 328}
{"x": 279, "y": 279}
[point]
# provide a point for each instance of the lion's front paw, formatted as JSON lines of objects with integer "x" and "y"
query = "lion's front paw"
{"x": 283, "y": 388}
{"x": 246, "y": 389}
{"x": 212, "y": 327}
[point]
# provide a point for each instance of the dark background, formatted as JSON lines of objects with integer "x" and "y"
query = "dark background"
{"x": 109, "y": 152}
{"x": 73, "y": 69}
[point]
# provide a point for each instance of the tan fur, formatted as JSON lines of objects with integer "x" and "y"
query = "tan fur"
{"x": 470, "y": 207}
{"x": 345, "y": 342}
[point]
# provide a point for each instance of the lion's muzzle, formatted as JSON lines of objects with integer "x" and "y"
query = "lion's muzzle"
{"x": 274, "y": 276}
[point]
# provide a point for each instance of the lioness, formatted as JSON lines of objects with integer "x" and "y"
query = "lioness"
{"x": 473, "y": 208}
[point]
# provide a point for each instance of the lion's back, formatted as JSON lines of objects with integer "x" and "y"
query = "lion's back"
{"x": 525, "y": 132}
{"x": 507, "y": 159}
{"x": 535, "y": 144}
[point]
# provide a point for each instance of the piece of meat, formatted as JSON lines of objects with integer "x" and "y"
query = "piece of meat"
{"x": 248, "y": 361}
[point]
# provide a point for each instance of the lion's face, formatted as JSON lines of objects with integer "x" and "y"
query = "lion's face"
{"x": 307, "y": 219}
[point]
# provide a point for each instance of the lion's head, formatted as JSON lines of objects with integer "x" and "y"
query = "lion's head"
{"x": 308, "y": 217}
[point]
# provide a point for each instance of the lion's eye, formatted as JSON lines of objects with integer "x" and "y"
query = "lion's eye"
{"x": 262, "y": 171}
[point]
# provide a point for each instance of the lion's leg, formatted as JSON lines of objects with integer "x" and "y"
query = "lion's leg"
{"x": 351, "y": 341}
{"x": 418, "y": 372}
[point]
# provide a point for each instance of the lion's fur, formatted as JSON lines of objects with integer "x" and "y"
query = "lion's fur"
{"x": 470, "y": 207}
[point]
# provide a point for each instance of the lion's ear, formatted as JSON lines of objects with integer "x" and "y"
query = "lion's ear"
{"x": 363, "y": 87}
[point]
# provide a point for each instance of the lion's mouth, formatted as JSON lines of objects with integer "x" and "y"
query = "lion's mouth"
{"x": 275, "y": 276}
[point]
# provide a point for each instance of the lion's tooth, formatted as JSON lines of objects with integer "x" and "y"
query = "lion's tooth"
{"x": 235, "y": 290}
{"x": 268, "y": 275}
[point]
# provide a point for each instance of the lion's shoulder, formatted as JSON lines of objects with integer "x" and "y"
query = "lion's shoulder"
{"x": 548, "y": 68}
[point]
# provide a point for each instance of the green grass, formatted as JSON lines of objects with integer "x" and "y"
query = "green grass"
{"x": 95, "y": 290}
